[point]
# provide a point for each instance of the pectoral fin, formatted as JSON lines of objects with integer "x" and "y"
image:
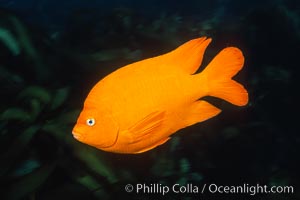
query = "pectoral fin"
{"x": 141, "y": 130}
{"x": 154, "y": 145}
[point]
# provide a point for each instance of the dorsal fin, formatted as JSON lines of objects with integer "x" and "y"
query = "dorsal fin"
{"x": 189, "y": 55}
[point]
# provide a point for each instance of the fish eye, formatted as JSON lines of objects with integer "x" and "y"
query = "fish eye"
{"x": 90, "y": 122}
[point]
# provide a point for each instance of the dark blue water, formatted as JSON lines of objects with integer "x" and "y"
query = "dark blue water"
{"x": 53, "y": 14}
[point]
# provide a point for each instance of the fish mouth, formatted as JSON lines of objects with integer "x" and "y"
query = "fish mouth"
{"x": 80, "y": 138}
{"x": 76, "y": 135}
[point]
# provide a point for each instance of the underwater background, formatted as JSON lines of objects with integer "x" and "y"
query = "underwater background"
{"x": 53, "y": 52}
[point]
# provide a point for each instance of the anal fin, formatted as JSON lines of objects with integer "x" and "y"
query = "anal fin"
{"x": 200, "y": 111}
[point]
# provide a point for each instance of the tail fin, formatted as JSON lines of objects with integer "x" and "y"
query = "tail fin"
{"x": 219, "y": 73}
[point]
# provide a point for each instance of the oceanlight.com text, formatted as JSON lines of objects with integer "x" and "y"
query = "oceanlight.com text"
{"x": 158, "y": 188}
{"x": 250, "y": 189}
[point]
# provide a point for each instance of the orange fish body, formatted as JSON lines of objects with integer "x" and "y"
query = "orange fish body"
{"x": 139, "y": 106}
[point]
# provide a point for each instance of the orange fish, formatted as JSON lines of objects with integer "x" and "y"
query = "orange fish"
{"x": 139, "y": 106}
